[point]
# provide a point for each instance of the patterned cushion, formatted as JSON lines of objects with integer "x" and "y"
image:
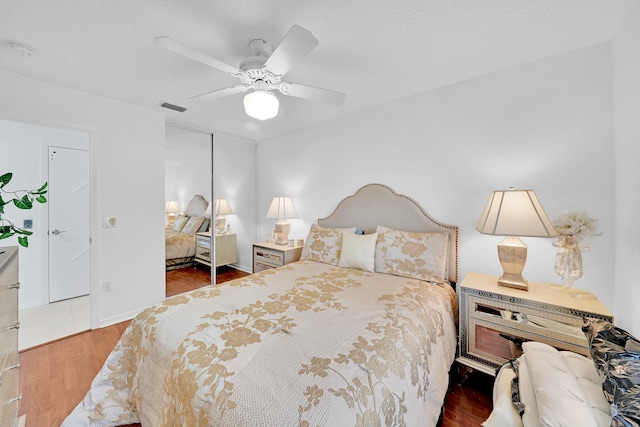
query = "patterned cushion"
{"x": 358, "y": 251}
{"x": 616, "y": 355}
{"x": 179, "y": 223}
{"x": 193, "y": 225}
{"x": 414, "y": 255}
{"x": 324, "y": 244}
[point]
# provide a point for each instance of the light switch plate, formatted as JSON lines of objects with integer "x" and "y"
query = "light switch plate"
{"x": 109, "y": 222}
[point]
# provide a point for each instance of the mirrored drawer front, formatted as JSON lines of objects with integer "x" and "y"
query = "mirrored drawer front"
{"x": 556, "y": 323}
{"x": 265, "y": 256}
{"x": 204, "y": 242}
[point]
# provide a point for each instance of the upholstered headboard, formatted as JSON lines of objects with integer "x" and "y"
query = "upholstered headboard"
{"x": 377, "y": 204}
{"x": 197, "y": 206}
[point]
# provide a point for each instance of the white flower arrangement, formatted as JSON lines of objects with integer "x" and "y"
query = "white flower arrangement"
{"x": 572, "y": 226}
{"x": 575, "y": 224}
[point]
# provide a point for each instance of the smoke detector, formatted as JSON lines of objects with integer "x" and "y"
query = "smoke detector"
{"x": 16, "y": 48}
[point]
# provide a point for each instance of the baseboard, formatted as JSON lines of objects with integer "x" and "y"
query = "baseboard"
{"x": 120, "y": 318}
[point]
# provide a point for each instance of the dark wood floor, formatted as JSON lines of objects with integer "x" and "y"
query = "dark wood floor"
{"x": 54, "y": 377}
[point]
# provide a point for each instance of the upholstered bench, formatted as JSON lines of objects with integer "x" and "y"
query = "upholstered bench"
{"x": 547, "y": 387}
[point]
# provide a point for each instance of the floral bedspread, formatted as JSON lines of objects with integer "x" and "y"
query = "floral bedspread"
{"x": 179, "y": 245}
{"x": 308, "y": 344}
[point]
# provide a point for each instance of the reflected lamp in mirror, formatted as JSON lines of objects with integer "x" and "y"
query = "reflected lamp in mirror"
{"x": 283, "y": 209}
{"x": 171, "y": 208}
{"x": 514, "y": 213}
{"x": 222, "y": 208}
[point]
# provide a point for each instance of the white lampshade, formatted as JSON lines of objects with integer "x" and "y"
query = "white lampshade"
{"x": 261, "y": 104}
{"x": 282, "y": 208}
{"x": 172, "y": 207}
{"x": 513, "y": 213}
{"x": 222, "y": 207}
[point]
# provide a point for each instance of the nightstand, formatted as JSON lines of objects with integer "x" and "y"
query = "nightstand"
{"x": 269, "y": 255}
{"x": 226, "y": 249}
{"x": 544, "y": 313}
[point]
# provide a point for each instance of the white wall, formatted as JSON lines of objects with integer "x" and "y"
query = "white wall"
{"x": 626, "y": 65}
{"x": 127, "y": 163}
{"x": 235, "y": 179}
{"x": 28, "y": 161}
{"x": 545, "y": 126}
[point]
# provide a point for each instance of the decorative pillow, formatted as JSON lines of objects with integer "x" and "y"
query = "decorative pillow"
{"x": 617, "y": 359}
{"x": 205, "y": 224}
{"x": 324, "y": 244}
{"x": 358, "y": 251}
{"x": 193, "y": 225}
{"x": 179, "y": 223}
{"x": 414, "y": 255}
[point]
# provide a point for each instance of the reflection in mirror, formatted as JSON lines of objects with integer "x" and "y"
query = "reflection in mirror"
{"x": 234, "y": 213}
{"x": 201, "y": 235}
{"x": 188, "y": 192}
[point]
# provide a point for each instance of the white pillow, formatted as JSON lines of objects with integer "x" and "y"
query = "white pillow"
{"x": 358, "y": 251}
{"x": 180, "y": 222}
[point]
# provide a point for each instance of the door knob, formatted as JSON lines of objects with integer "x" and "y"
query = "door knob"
{"x": 56, "y": 232}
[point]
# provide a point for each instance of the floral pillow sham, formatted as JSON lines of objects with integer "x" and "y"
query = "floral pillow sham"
{"x": 415, "y": 255}
{"x": 324, "y": 244}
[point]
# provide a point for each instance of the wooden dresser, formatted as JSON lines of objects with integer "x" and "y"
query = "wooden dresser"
{"x": 9, "y": 336}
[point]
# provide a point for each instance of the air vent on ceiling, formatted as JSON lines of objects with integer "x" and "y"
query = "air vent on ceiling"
{"x": 173, "y": 107}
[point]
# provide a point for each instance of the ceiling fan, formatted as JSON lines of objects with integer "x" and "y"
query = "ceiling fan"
{"x": 262, "y": 72}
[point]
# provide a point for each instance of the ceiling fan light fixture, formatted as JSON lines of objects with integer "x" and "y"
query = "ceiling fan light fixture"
{"x": 261, "y": 104}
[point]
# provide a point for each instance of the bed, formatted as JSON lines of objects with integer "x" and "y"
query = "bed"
{"x": 325, "y": 341}
{"x": 179, "y": 239}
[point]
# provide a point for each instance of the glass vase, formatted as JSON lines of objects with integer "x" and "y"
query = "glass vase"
{"x": 568, "y": 260}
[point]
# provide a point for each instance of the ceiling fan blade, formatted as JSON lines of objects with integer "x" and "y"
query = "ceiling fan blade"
{"x": 216, "y": 94}
{"x": 312, "y": 93}
{"x": 295, "y": 45}
{"x": 183, "y": 50}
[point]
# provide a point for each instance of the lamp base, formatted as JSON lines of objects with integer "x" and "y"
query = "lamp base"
{"x": 281, "y": 231}
{"x": 220, "y": 222}
{"x": 512, "y": 253}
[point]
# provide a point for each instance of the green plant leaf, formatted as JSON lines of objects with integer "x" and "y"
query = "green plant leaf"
{"x": 23, "y": 241}
{"x": 4, "y": 179}
{"x": 41, "y": 199}
{"x": 5, "y": 235}
{"x": 24, "y": 203}
{"x": 42, "y": 189}
{"x": 22, "y": 231}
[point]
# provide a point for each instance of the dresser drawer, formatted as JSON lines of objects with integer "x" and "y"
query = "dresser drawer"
{"x": 553, "y": 323}
{"x": 268, "y": 257}
{"x": 204, "y": 242}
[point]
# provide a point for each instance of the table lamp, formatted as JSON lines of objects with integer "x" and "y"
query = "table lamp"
{"x": 513, "y": 213}
{"x": 222, "y": 208}
{"x": 283, "y": 209}
{"x": 171, "y": 208}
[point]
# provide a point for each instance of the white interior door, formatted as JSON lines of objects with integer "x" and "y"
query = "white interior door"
{"x": 68, "y": 223}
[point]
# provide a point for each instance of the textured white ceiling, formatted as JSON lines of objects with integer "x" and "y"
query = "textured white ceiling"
{"x": 375, "y": 51}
